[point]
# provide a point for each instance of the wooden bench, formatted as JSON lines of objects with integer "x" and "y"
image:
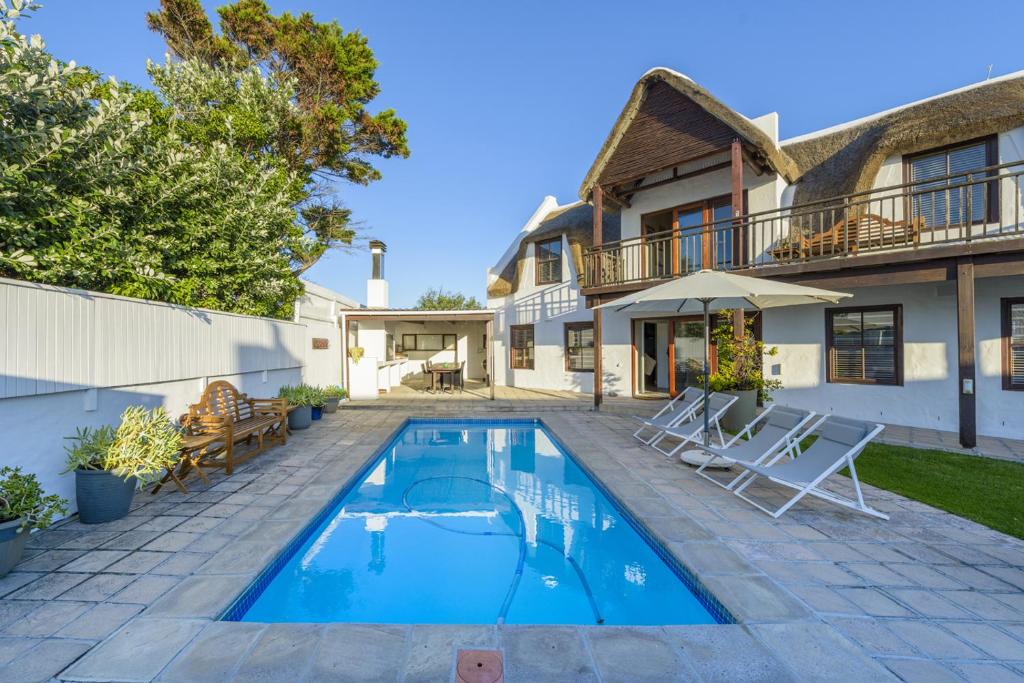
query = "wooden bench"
{"x": 228, "y": 413}
{"x": 862, "y": 231}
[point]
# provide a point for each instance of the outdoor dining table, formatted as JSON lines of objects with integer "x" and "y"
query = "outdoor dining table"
{"x": 439, "y": 370}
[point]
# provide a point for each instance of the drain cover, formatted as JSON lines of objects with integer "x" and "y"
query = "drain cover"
{"x": 479, "y": 666}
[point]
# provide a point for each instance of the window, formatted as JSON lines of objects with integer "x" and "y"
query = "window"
{"x": 948, "y": 168}
{"x": 1013, "y": 344}
{"x": 549, "y": 261}
{"x": 865, "y": 345}
{"x": 522, "y": 347}
{"x": 428, "y": 342}
{"x": 579, "y": 347}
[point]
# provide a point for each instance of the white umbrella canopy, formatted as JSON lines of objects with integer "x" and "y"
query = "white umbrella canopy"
{"x": 721, "y": 290}
{"x": 708, "y": 290}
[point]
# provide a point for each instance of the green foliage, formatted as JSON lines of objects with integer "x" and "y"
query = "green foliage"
{"x": 440, "y": 300}
{"x": 303, "y": 395}
{"x": 328, "y": 133}
{"x": 740, "y": 361}
{"x": 145, "y": 443}
{"x": 21, "y": 497}
{"x": 173, "y": 194}
{"x": 335, "y": 391}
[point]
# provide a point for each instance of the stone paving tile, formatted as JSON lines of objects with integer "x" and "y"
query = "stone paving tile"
{"x": 636, "y": 655}
{"x": 44, "y": 661}
{"x": 815, "y": 652}
{"x": 100, "y": 621}
{"x": 987, "y": 638}
{"x": 543, "y": 654}
{"x": 432, "y": 649}
{"x": 94, "y": 561}
{"x": 874, "y": 602}
{"x": 874, "y": 636}
{"x": 214, "y": 654}
{"x": 983, "y": 672}
{"x": 360, "y": 654}
{"x": 711, "y": 652}
{"x": 283, "y": 652}
{"x": 48, "y": 586}
{"x": 136, "y": 653}
{"x": 47, "y": 618}
{"x": 932, "y": 640}
{"x": 921, "y": 671}
{"x": 13, "y": 646}
{"x": 145, "y": 590}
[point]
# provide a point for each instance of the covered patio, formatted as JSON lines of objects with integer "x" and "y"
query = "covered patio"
{"x": 395, "y": 350}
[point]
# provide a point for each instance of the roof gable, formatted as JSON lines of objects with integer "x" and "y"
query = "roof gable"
{"x": 669, "y": 120}
{"x": 668, "y": 128}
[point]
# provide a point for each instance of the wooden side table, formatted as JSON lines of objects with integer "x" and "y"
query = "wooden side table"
{"x": 194, "y": 449}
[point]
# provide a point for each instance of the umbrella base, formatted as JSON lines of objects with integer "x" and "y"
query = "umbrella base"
{"x": 697, "y": 457}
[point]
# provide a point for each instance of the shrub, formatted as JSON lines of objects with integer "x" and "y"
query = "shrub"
{"x": 303, "y": 395}
{"x": 740, "y": 361}
{"x": 21, "y": 497}
{"x": 146, "y": 442}
{"x": 335, "y": 391}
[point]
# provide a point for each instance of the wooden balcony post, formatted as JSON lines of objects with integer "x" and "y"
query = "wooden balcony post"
{"x": 738, "y": 236}
{"x": 966, "y": 386}
{"x": 598, "y": 201}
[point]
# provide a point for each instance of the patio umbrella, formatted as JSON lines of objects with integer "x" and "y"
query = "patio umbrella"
{"x": 708, "y": 290}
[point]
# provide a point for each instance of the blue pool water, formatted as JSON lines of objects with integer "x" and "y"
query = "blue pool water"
{"x": 474, "y": 522}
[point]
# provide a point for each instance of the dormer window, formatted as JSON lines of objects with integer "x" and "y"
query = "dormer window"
{"x": 949, "y": 190}
{"x": 549, "y": 261}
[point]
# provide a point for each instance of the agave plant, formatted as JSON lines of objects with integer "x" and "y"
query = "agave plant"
{"x": 335, "y": 391}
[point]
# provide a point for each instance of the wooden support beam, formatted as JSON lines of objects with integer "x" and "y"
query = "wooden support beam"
{"x": 965, "y": 335}
{"x": 598, "y": 376}
{"x": 598, "y": 201}
{"x": 738, "y": 324}
{"x": 736, "y": 165}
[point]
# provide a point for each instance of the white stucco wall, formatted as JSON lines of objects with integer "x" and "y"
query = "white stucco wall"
{"x": 928, "y": 397}
{"x": 547, "y": 308}
{"x": 318, "y": 310}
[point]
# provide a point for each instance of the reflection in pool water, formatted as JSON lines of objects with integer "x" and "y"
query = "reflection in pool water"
{"x": 476, "y": 523}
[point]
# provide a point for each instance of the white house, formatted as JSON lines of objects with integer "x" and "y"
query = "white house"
{"x": 916, "y": 211}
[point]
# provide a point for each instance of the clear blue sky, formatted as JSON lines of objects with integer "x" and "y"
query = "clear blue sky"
{"x": 509, "y": 101}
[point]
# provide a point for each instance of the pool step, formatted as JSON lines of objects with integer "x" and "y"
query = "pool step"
{"x": 479, "y": 666}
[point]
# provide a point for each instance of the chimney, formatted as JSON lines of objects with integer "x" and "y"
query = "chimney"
{"x": 377, "y": 286}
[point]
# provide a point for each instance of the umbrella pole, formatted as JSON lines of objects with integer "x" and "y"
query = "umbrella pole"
{"x": 707, "y": 373}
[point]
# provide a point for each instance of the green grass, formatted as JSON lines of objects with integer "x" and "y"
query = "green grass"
{"x": 987, "y": 491}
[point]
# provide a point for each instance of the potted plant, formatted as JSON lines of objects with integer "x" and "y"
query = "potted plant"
{"x": 23, "y": 507}
{"x": 333, "y": 395}
{"x": 300, "y": 406}
{"x": 317, "y": 400}
{"x": 739, "y": 371}
{"x": 109, "y": 463}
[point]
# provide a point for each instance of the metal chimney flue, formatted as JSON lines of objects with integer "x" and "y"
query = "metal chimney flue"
{"x": 377, "y": 286}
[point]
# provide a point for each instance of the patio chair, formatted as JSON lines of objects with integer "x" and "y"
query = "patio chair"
{"x": 779, "y": 427}
{"x": 681, "y": 407}
{"x": 840, "y": 440}
{"x": 691, "y": 431}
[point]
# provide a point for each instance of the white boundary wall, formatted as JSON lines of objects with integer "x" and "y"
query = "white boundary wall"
{"x": 71, "y": 358}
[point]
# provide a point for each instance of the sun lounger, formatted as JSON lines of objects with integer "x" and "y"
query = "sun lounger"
{"x": 692, "y": 431}
{"x": 675, "y": 411}
{"x": 779, "y": 427}
{"x": 840, "y": 440}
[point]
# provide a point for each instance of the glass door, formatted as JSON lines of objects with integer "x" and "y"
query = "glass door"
{"x": 688, "y": 353}
{"x": 688, "y": 222}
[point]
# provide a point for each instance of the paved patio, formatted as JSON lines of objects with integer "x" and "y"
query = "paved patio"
{"x": 821, "y": 594}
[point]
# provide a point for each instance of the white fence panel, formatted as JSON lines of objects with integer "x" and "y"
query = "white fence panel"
{"x": 54, "y": 339}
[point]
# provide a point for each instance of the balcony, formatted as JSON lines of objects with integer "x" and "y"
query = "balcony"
{"x": 957, "y": 209}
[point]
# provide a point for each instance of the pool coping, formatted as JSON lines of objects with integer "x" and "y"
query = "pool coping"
{"x": 236, "y": 609}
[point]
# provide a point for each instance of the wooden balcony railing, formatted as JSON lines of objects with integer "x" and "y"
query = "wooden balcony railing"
{"x": 980, "y": 205}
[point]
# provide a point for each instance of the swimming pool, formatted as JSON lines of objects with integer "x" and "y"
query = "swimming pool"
{"x": 475, "y": 522}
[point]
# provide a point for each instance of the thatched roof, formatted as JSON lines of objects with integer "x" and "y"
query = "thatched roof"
{"x": 756, "y": 141}
{"x": 847, "y": 158}
{"x": 576, "y": 222}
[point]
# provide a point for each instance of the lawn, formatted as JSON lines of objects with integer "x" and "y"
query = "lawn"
{"x": 990, "y": 492}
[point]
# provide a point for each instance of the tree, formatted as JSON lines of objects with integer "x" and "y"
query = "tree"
{"x": 330, "y": 134}
{"x": 440, "y": 300}
{"x": 147, "y": 193}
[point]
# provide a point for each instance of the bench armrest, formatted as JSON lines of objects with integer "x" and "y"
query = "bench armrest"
{"x": 206, "y": 424}
{"x": 269, "y": 406}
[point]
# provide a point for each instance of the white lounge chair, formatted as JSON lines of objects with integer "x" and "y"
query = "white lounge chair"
{"x": 779, "y": 429}
{"x": 680, "y": 408}
{"x": 692, "y": 430}
{"x": 840, "y": 440}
